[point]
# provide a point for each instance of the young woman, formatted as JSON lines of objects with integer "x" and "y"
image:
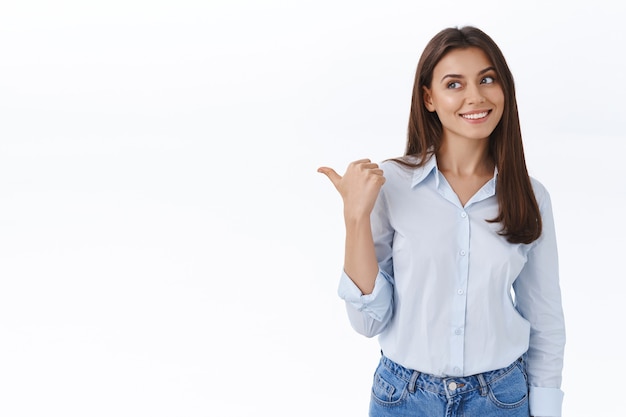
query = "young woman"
{"x": 450, "y": 252}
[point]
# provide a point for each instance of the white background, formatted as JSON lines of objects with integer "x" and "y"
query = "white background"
{"x": 167, "y": 247}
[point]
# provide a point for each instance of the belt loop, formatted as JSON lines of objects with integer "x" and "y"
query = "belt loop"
{"x": 413, "y": 381}
{"x": 483, "y": 385}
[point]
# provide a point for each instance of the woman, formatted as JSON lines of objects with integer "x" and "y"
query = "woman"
{"x": 450, "y": 252}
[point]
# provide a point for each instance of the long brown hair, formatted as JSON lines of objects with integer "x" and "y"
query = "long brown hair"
{"x": 518, "y": 210}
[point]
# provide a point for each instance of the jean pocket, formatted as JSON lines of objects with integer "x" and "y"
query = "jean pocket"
{"x": 387, "y": 388}
{"x": 509, "y": 391}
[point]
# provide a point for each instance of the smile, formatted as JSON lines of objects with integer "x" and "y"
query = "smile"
{"x": 475, "y": 116}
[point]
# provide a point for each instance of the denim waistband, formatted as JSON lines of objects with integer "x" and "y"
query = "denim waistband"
{"x": 448, "y": 386}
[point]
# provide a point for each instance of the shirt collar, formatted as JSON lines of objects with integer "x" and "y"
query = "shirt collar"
{"x": 421, "y": 173}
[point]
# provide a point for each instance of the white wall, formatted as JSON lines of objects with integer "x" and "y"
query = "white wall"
{"x": 166, "y": 245}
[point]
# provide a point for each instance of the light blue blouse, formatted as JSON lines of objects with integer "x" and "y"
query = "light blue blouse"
{"x": 454, "y": 298}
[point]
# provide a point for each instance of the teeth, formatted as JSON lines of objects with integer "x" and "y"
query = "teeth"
{"x": 475, "y": 115}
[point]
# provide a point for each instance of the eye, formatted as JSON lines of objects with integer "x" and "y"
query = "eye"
{"x": 488, "y": 80}
{"x": 454, "y": 84}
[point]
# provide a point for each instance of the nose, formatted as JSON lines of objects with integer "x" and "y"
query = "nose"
{"x": 474, "y": 95}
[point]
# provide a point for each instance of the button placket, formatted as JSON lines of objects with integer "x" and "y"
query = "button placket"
{"x": 457, "y": 328}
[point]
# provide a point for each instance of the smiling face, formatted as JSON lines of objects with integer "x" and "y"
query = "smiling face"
{"x": 466, "y": 95}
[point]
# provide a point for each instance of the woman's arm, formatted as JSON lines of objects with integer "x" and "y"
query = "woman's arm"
{"x": 359, "y": 187}
{"x": 538, "y": 299}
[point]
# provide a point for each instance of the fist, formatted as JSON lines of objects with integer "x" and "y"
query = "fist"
{"x": 358, "y": 187}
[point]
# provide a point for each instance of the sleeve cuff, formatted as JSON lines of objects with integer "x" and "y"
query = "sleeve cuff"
{"x": 375, "y": 304}
{"x": 545, "y": 402}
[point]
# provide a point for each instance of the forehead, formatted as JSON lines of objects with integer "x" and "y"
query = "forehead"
{"x": 466, "y": 61}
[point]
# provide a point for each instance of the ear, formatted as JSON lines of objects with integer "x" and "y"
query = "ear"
{"x": 428, "y": 100}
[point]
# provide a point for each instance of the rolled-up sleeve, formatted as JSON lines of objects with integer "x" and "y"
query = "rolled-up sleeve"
{"x": 368, "y": 314}
{"x": 538, "y": 299}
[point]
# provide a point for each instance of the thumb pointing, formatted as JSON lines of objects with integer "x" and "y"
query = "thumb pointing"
{"x": 331, "y": 174}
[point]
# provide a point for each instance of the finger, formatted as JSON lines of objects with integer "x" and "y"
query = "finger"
{"x": 331, "y": 174}
{"x": 371, "y": 165}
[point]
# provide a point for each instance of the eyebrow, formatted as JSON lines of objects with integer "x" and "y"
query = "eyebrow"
{"x": 460, "y": 76}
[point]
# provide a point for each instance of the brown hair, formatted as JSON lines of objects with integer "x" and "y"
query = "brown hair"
{"x": 518, "y": 210}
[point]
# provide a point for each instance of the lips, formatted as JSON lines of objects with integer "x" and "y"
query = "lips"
{"x": 475, "y": 115}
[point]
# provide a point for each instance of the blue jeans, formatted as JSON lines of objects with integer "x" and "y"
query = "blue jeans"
{"x": 398, "y": 391}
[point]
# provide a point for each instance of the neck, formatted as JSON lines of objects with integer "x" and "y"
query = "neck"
{"x": 465, "y": 157}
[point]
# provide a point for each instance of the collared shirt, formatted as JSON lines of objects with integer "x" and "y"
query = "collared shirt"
{"x": 452, "y": 296}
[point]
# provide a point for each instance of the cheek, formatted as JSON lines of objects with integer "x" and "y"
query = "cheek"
{"x": 500, "y": 103}
{"x": 497, "y": 97}
{"x": 447, "y": 103}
